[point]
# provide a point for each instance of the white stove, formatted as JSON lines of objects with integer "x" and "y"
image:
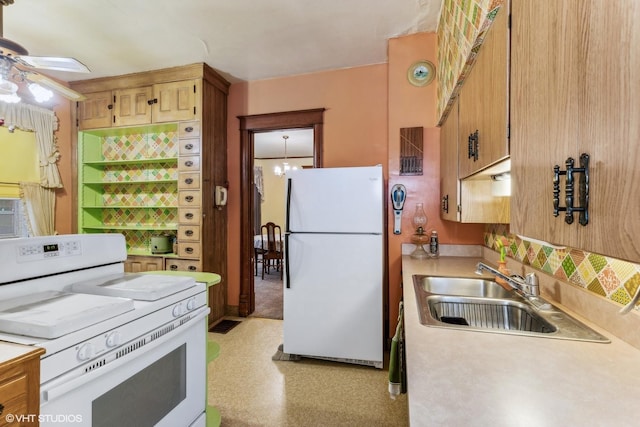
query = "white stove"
{"x": 121, "y": 349}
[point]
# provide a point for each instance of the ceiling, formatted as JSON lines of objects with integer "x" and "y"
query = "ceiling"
{"x": 242, "y": 39}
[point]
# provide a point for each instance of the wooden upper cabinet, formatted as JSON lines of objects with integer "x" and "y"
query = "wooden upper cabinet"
{"x": 175, "y": 101}
{"x": 574, "y": 91}
{"x": 468, "y": 200}
{"x": 158, "y": 103}
{"x": 484, "y": 102}
{"x": 449, "y": 184}
{"x": 96, "y": 110}
{"x": 132, "y": 106}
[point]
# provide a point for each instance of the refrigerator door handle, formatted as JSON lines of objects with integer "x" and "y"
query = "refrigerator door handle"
{"x": 286, "y": 260}
{"x": 288, "y": 207}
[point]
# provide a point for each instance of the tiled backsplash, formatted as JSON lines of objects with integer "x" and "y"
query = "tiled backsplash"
{"x": 611, "y": 278}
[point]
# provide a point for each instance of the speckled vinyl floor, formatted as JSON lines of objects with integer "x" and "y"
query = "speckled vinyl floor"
{"x": 250, "y": 389}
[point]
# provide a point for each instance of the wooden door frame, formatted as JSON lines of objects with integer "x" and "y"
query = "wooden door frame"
{"x": 249, "y": 125}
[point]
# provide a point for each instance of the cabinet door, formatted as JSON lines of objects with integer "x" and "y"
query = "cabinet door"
{"x": 609, "y": 126}
{"x": 175, "y": 101}
{"x": 95, "y": 111}
{"x": 132, "y": 106}
{"x": 586, "y": 103}
{"x": 449, "y": 184}
{"x": 544, "y": 107}
{"x": 137, "y": 264}
{"x": 484, "y": 102}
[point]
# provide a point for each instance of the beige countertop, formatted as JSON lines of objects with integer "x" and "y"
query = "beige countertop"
{"x": 465, "y": 378}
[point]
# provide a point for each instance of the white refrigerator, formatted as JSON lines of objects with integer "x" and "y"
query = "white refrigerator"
{"x": 334, "y": 264}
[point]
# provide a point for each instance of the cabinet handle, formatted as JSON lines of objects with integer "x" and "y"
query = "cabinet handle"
{"x": 189, "y": 233}
{"x": 192, "y": 268}
{"x": 110, "y": 107}
{"x": 583, "y": 190}
{"x": 472, "y": 146}
{"x": 188, "y": 250}
{"x": 152, "y": 101}
{"x": 188, "y": 181}
{"x": 188, "y": 129}
{"x": 445, "y": 204}
{"x": 188, "y": 163}
{"x": 173, "y": 267}
{"x": 189, "y": 215}
{"x": 189, "y": 146}
{"x": 189, "y": 199}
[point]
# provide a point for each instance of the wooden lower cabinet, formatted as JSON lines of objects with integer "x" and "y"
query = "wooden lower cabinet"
{"x": 177, "y": 264}
{"x": 19, "y": 385}
{"x": 137, "y": 264}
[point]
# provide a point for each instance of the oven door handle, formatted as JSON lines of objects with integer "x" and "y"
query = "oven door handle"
{"x": 73, "y": 379}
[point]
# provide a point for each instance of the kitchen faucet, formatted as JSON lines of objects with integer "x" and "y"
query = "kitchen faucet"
{"x": 528, "y": 287}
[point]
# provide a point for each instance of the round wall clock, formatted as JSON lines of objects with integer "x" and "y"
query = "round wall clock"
{"x": 421, "y": 73}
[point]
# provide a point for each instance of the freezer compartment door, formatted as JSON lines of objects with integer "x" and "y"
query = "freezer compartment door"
{"x": 333, "y": 296}
{"x": 338, "y": 200}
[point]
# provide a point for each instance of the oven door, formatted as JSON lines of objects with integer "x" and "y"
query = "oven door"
{"x": 161, "y": 383}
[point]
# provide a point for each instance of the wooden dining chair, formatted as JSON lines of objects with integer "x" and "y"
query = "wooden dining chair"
{"x": 271, "y": 248}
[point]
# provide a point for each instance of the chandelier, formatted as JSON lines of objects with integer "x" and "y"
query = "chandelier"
{"x": 281, "y": 171}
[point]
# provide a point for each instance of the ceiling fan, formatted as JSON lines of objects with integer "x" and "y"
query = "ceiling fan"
{"x": 18, "y": 67}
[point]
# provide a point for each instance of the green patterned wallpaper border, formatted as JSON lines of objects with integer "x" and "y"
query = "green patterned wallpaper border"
{"x": 609, "y": 277}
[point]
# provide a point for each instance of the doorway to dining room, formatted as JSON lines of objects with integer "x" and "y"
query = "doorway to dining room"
{"x": 276, "y": 153}
{"x": 258, "y": 297}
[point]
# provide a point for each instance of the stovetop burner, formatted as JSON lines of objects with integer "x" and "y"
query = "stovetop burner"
{"x": 142, "y": 287}
{"x": 52, "y": 314}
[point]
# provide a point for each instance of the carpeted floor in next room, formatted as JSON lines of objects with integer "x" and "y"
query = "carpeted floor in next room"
{"x": 268, "y": 294}
{"x": 250, "y": 389}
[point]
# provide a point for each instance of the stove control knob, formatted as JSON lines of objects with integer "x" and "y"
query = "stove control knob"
{"x": 177, "y": 310}
{"x": 191, "y": 304}
{"x": 85, "y": 352}
{"x": 113, "y": 339}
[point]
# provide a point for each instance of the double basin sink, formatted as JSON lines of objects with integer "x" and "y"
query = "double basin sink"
{"x": 483, "y": 305}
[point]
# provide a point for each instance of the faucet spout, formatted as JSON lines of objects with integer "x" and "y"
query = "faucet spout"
{"x": 528, "y": 287}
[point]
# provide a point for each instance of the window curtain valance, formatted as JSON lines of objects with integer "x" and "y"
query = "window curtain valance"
{"x": 43, "y": 122}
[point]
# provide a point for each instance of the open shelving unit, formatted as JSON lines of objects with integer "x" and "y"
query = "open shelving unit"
{"x": 128, "y": 183}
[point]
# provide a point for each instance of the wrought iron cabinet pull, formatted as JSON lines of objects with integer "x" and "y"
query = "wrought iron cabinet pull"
{"x": 583, "y": 190}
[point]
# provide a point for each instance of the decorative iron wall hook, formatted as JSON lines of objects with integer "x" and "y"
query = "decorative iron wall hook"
{"x": 583, "y": 190}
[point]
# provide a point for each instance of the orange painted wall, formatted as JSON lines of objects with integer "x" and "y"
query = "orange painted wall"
{"x": 411, "y": 106}
{"x": 366, "y": 107}
{"x": 355, "y": 128}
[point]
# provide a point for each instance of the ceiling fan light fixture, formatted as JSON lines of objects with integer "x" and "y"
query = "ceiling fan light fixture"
{"x": 40, "y": 94}
{"x": 10, "y": 99}
{"x": 7, "y": 87}
{"x": 53, "y": 63}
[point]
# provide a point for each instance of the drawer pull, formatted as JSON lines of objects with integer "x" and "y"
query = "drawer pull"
{"x": 189, "y": 233}
{"x": 192, "y": 268}
{"x": 188, "y": 163}
{"x": 189, "y": 215}
{"x": 189, "y": 181}
{"x": 189, "y": 199}
{"x": 173, "y": 267}
{"x": 188, "y": 250}
{"x": 189, "y": 146}
{"x": 188, "y": 129}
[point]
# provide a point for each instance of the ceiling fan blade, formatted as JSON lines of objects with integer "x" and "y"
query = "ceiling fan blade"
{"x": 52, "y": 63}
{"x": 53, "y": 85}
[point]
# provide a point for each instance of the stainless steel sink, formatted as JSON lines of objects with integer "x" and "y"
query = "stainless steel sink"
{"x": 469, "y": 304}
{"x": 462, "y": 286}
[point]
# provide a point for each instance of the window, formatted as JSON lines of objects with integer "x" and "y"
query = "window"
{"x": 12, "y": 219}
